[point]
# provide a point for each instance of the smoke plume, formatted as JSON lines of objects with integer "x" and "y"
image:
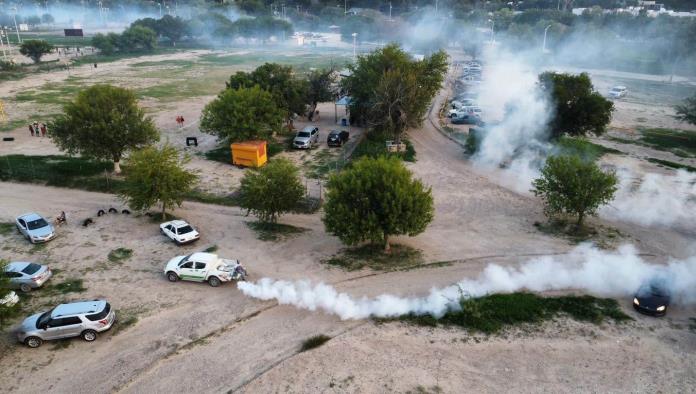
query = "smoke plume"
{"x": 619, "y": 273}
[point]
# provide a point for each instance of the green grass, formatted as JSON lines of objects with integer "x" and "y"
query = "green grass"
{"x": 323, "y": 162}
{"x": 680, "y": 142}
{"x": 671, "y": 164}
{"x": 13, "y": 124}
{"x": 179, "y": 63}
{"x": 374, "y": 145}
{"x": 583, "y": 148}
{"x": 120, "y": 254}
{"x": 73, "y": 285}
{"x": 492, "y": 313}
{"x": 373, "y": 257}
{"x": 274, "y": 231}
{"x": 314, "y": 342}
{"x": 6, "y": 228}
{"x": 126, "y": 319}
{"x": 211, "y": 249}
{"x": 602, "y": 236}
{"x": 52, "y": 92}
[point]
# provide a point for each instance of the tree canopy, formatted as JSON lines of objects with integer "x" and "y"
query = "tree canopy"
{"x": 103, "y": 122}
{"x": 686, "y": 112}
{"x": 242, "y": 114}
{"x": 271, "y": 190}
{"x": 571, "y": 185}
{"x": 156, "y": 176}
{"x": 578, "y": 108}
{"x": 35, "y": 49}
{"x": 376, "y": 198}
{"x": 319, "y": 88}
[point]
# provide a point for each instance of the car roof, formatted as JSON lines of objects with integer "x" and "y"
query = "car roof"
{"x": 16, "y": 266}
{"x": 204, "y": 257}
{"x": 30, "y": 216}
{"x": 178, "y": 223}
{"x": 76, "y": 308}
{"x": 309, "y": 128}
{"x": 619, "y": 87}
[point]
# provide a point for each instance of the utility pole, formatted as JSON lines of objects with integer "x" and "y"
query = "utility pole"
{"x": 543, "y": 48}
{"x": 436, "y": 1}
{"x": 2, "y": 43}
{"x": 14, "y": 17}
{"x": 355, "y": 39}
{"x": 390, "y": 11}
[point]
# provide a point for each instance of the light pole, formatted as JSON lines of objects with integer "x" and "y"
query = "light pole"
{"x": 543, "y": 48}
{"x": 355, "y": 38}
{"x": 436, "y": 1}
{"x": 390, "y": 11}
{"x": 345, "y": 8}
{"x": 492, "y": 30}
{"x": 14, "y": 18}
{"x": 2, "y": 43}
{"x": 160, "y": 9}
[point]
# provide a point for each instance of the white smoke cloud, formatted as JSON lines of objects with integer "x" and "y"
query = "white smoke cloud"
{"x": 602, "y": 273}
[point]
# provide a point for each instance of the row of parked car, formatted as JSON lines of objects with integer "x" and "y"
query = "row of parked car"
{"x": 87, "y": 319}
{"x": 464, "y": 108}
{"x": 308, "y": 138}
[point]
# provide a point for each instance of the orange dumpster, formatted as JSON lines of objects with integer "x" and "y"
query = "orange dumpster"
{"x": 249, "y": 153}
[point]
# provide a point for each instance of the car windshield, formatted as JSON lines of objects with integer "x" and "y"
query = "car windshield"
{"x": 184, "y": 230}
{"x": 38, "y": 223}
{"x": 184, "y": 259}
{"x": 31, "y": 269}
{"x": 658, "y": 291}
{"x": 43, "y": 319}
{"x": 303, "y": 134}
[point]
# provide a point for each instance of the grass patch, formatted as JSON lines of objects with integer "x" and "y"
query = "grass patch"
{"x": 323, "y": 162}
{"x": 583, "y": 148}
{"x": 13, "y": 124}
{"x": 119, "y": 255}
{"x": 61, "y": 344}
{"x": 211, "y": 249}
{"x": 492, "y": 313}
{"x": 52, "y": 93}
{"x": 602, "y": 236}
{"x": 314, "y": 342}
{"x": 374, "y": 145}
{"x": 73, "y": 285}
{"x": 373, "y": 257}
{"x": 671, "y": 164}
{"x": 7, "y": 228}
{"x": 274, "y": 231}
{"x": 126, "y": 318}
{"x": 680, "y": 142}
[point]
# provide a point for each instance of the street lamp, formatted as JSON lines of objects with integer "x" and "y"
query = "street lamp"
{"x": 492, "y": 30}
{"x": 14, "y": 17}
{"x": 160, "y": 9}
{"x": 355, "y": 37}
{"x": 543, "y": 48}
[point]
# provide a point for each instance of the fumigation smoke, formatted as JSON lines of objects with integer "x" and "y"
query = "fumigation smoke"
{"x": 585, "y": 268}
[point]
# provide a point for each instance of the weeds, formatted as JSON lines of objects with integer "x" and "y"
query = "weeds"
{"x": 7, "y": 228}
{"x": 314, "y": 342}
{"x": 68, "y": 286}
{"x": 374, "y": 145}
{"x": 126, "y": 318}
{"x": 671, "y": 164}
{"x": 583, "y": 148}
{"x": 274, "y": 231}
{"x": 602, "y": 236}
{"x": 211, "y": 249}
{"x": 119, "y": 255}
{"x": 373, "y": 257}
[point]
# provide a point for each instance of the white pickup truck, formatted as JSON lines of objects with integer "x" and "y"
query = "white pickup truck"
{"x": 204, "y": 267}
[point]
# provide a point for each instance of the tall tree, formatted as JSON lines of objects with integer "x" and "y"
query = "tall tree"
{"x": 686, "y": 112}
{"x": 157, "y": 176}
{"x": 320, "y": 88}
{"x": 138, "y": 38}
{"x": 578, "y": 108}
{"x": 103, "y": 122}
{"x": 272, "y": 190}
{"x": 35, "y": 49}
{"x": 172, "y": 27}
{"x": 242, "y": 114}
{"x": 571, "y": 185}
{"x": 375, "y": 199}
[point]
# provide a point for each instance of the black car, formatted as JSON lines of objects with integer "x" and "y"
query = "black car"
{"x": 337, "y": 138}
{"x": 652, "y": 298}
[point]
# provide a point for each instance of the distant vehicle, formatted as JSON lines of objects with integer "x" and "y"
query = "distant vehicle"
{"x": 459, "y": 105}
{"x": 465, "y": 118}
{"x": 306, "y": 138}
{"x": 204, "y": 267}
{"x": 180, "y": 232}
{"x": 618, "y": 92}
{"x": 27, "y": 276}
{"x": 10, "y": 299}
{"x": 652, "y": 298}
{"x": 337, "y": 138}
{"x": 77, "y": 319}
{"x": 35, "y": 228}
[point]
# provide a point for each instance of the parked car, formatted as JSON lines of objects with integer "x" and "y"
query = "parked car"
{"x": 27, "y": 276}
{"x": 204, "y": 267}
{"x": 35, "y": 228}
{"x": 652, "y": 298}
{"x": 76, "y": 319}
{"x": 337, "y": 138}
{"x": 465, "y": 118}
{"x": 10, "y": 299}
{"x": 180, "y": 232}
{"x": 618, "y": 92}
{"x": 306, "y": 138}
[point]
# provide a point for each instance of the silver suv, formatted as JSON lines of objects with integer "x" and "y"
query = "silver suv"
{"x": 77, "y": 319}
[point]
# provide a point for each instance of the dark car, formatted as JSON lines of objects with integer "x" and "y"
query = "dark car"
{"x": 337, "y": 138}
{"x": 465, "y": 118}
{"x": 652, "y": 298}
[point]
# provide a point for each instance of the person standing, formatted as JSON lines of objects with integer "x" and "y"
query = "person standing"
{"x": 43, "y": 129}
{"x": 31, "y": 129}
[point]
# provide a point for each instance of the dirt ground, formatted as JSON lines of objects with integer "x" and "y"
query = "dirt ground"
{"x": 190, "y": 337}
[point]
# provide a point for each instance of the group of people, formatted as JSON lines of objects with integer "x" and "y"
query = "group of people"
{"x": 180, "y": 120}
{"x": 37, "y": 130}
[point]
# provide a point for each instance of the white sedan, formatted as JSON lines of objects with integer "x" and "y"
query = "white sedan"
{"x": 179, "y": 231}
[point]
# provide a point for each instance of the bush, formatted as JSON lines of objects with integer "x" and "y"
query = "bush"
{"x": 314, "y": 342}
{"x": 271, "y": 190}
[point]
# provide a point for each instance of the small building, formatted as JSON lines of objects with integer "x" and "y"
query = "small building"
{"x": 249, "y": 153}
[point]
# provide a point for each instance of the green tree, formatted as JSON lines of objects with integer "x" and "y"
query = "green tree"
{"x": 578, "y": 108}
{"x": 103, "y": 122}
{"x": 157, "y": 176}
{"x": 172, "y": 28}
{"x": 686, "y": 112}
{"x": 35, "y": 49}
{"x": 570, "y": 185}
{"x": 106, "y": 44}
{"x": 47, "y": 19}
{"x": 242, "y": 114}
{"x": 272, "y": 190}
{"x": 137, "y": 38}
{"x": 375, "y": 199}
{"x": 320, "y": 87}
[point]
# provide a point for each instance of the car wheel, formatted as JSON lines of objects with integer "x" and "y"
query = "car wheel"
{"x": 33, "y": 342}
{"x": 214, "y": 281}
{"x": 172, "y": 276}
{"x": 24, "y": 288}
{"x": 89, "y": 335}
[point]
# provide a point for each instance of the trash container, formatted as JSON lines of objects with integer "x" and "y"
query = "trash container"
{"x": 249, "y": 153}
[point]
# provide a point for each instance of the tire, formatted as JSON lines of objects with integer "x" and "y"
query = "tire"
{"x": 33, "y": 342}
{"x": 172, "y": 276}
{"x": 89, "y": 335}
{"x": 24, "y": 288}
{"x": 214, "y": 281}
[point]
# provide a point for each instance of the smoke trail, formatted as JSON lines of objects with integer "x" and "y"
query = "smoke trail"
{"x": 586, "y": 268}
